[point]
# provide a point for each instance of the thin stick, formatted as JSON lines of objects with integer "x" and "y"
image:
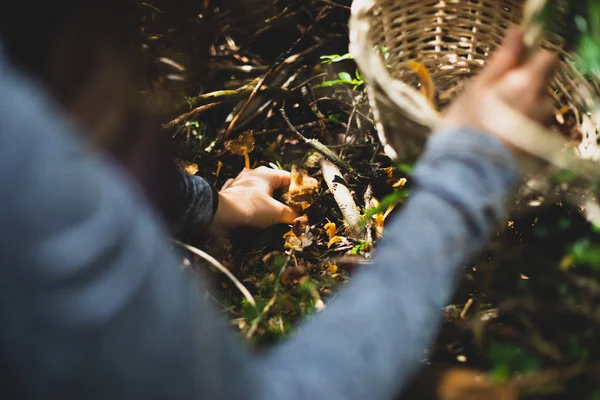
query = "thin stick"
{"x": 196, "y": 111}
{"x": 334, "y": 4}
{"x": 318, "y": 146}
{"x": 212, "y": 261}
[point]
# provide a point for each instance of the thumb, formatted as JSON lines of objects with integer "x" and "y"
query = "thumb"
{"x": 507, "y": 57}
{"x": 282, "y": 214}
{"x": 277, "y": 179}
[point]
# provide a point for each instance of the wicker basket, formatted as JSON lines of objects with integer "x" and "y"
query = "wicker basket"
{"x": 453, "y": 39}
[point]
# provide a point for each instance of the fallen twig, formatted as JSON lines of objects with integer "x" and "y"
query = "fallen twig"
{"x": 188, "y": 115}
{"x": 212, "y": 261}
{"x": 318, "y": 146}
{"x": 235, "y": 94}
{"x": 343, "y": 198}
{"x": 334, "y": 4}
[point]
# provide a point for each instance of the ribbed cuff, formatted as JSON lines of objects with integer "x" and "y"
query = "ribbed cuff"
{"x": 199, "y": 205}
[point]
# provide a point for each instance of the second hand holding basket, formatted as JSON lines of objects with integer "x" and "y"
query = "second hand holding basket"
{"x": 453, "y": 39}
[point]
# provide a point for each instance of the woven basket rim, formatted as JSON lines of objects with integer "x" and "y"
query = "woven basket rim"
{"x": 414, "y": 106}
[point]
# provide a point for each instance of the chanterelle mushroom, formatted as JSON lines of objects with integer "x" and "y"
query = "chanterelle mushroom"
{"x": 242, "y": 146}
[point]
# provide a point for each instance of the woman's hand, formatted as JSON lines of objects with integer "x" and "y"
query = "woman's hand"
{"x": 247, "y": 201}
{"x": 520, "y": 84}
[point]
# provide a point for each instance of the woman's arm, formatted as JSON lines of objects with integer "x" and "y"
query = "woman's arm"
{"x": 93, "y": 304}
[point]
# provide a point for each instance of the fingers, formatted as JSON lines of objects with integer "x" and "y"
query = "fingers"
{"x": 227, "y": 183}
{"x": 277, "y": 179}
{"x": 507, "y": 57}
{"x": 540, "y": 68}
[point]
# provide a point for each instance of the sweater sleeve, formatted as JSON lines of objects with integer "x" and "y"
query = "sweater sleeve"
{"x": 93, "y": 303}
{"x": 199, "y": 201}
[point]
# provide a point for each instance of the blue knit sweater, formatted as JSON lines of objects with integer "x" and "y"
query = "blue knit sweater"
{"x": 94, "y": 306}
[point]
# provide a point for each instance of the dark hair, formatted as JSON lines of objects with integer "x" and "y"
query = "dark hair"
{"x": 81, "y": 52}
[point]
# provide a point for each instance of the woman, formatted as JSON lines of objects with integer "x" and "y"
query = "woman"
{"x": 92, "y": 304}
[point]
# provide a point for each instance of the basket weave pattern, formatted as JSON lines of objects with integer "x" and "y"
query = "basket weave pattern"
{"x": 453, "y": 39}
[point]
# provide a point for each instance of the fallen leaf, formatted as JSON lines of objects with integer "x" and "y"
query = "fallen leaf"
{"x": 302, "y": 190}
{"x": 334, "y": 240}
{"x": 332, "y": 267}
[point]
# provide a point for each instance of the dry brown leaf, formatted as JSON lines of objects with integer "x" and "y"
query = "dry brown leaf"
{"x": 302, "y": 190}
{"x": 189, "y": 168}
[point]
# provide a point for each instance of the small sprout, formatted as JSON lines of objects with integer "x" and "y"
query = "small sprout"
{"x": 344, "y": 78}
{"x": 242, "y": 146}
{"x": 334, "y": 58}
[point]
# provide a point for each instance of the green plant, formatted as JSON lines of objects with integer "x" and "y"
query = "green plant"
{"x": 344, "y": 79}
{"x": 585, "y": 252}
{"x": 335, "y": 58}
{"x": 389, "y": 200}
{"x": 578, "y": 21}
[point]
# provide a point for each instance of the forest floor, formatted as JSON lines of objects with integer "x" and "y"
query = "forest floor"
{"x": 265, "y": 76}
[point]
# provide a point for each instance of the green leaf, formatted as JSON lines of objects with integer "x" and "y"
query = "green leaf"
{"x": 344, "y": 76}
{"x": 360, "y": 248}
{"x": 334, "y": 58}
{"x": 329, "y": 84}
{"x": 389, "y": 200}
